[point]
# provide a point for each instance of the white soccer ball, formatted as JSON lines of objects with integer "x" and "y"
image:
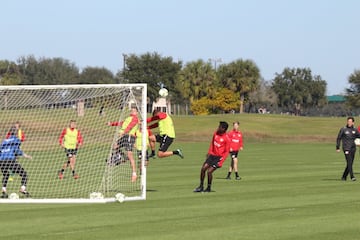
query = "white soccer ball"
{"x": 96, "y": 195}
{"x": 13, "y": 196}
{"x": 357, "y": 141}
{"x": 163, "y": 92}
{"x": 120, "y": 197}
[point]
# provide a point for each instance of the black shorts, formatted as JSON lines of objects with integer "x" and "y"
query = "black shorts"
{"x": 127, "y": 141}
{"x": 165, "y": 142}
{"x": 234, "y": 154}
{"x": 11, "y": 165}
{"x": 70, "y": 152}
{"x": 213, "y": 161}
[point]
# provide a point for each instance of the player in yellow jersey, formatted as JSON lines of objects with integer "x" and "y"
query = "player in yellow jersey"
{"x": 70, "y": 139}
{"x": 166, "y": 134}
{"x": 127, "y": 137}
{"x": 139, "y": 145}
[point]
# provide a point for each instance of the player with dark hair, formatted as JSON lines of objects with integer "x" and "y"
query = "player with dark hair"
{"x": 236, "y": 145}
{"x": 10, "y": 150}
{"x": 347, "y": 136}
{"x": 19, "y": 132}
{"x": 20, "y": 135}
{"x": 166, "y": 134}
{"x": 217, "y": 153}
{"x": 70, "y": 139}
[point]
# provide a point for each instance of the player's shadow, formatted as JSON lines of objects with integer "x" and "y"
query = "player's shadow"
{"x": 220, "y": 178}
{"x": 332, "y": 179}
{"x": 231, "y": 179}
{"x": 151, "y": 190}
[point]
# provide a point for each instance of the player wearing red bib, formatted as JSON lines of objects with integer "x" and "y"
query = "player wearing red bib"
{"x": 236, "y": 145}
{"x": 218, "y": 152}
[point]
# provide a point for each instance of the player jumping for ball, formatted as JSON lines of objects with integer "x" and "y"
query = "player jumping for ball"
{"x": 166, "y": 134}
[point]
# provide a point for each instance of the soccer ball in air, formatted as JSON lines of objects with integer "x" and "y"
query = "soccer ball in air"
{"x": 13, "y": 196}
{"x": 120, "y": 197}
{"x": 357, "y": 141}
{"x": 96, "y": 195}
{"x": 163, "y": 92}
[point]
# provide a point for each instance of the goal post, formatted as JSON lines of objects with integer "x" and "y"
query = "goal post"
{"x": 42, "y": 113}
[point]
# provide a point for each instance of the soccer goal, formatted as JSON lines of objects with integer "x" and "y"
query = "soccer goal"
{"x": 103, "y": 172}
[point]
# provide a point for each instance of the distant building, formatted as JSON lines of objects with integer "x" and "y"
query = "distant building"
{"x": 163, "y": 105}
{"x": 336, "y": 99}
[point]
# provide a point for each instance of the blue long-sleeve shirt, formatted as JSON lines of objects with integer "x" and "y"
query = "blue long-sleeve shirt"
{"x": 10, "y": 148}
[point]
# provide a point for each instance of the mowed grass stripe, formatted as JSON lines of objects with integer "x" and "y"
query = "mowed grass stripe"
{"x": 287, "y": 191}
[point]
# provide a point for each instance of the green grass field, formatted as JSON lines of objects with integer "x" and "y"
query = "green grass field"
{"x": 290, "y": 189}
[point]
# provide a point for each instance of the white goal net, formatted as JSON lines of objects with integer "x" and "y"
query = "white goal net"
{"x": 42, "y": 116}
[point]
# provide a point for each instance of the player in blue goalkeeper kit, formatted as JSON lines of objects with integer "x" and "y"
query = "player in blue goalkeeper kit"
{"x": 10, "y": 149}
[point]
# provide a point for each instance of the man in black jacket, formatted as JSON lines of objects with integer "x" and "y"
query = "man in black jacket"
{"x": 347, "y": 136}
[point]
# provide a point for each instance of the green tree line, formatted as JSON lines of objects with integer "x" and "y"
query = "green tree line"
{"x": 230, "y": 87}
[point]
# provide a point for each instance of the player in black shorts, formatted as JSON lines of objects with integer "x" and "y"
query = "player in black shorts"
{"x": 217, "y": 153}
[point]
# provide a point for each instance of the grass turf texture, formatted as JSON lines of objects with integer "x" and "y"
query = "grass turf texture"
{"x": 287, "y": 191}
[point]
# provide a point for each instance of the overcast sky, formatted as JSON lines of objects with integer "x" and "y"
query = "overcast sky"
{"x": 322, "y": 35}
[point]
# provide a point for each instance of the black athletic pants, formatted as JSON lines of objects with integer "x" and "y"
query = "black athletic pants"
{"x": 12, "y": 165}
{"x": 349, "y": 157}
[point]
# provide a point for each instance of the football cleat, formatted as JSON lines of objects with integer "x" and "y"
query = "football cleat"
{"x": 208, "y": 189}
{"x": 4, "y": 195}
{"x": 180, "y": 153}
{"x": 199, "y": 189}
{"x": 25, "y": 193}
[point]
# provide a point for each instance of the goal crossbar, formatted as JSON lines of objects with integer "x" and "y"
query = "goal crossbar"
{"x": 102, "y": 162}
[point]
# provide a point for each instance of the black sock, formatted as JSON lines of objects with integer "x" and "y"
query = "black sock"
{"x": 236, "y": 174}
{"x": 176, "y": 152}
{"x": 62, "y": 170}
{"x": 73, "y": 172}
{"x": 229, "y": 173}
{"x": 209, "y": 186}
{"x": 152, "y": 152}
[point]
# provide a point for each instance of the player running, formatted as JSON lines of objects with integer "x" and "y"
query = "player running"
{"x": 70, "y": 139}
{"x": 217, "y": 154}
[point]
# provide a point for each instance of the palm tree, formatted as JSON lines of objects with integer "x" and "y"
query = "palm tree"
{"x": 196, "y": 80}
{"x": 240, "y": 76}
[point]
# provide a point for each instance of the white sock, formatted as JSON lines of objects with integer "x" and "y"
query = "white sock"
{"x": 4, "y": 189}
{"x": 23, "y": 188}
